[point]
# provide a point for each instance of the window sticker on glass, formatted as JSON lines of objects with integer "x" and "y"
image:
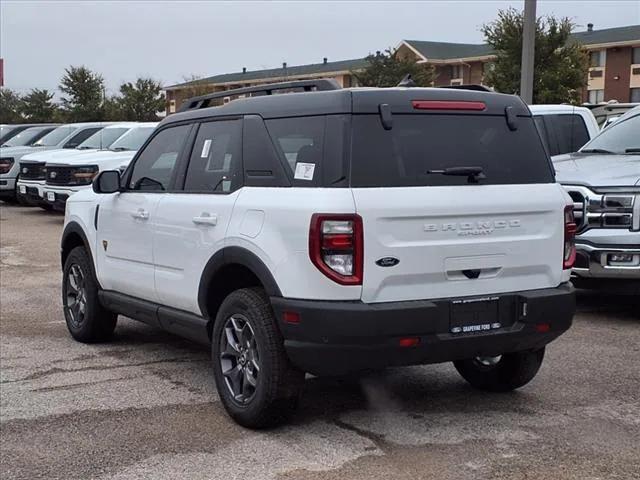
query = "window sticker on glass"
{"x": 205, "y": 148}
{"x": 304, "y": 171}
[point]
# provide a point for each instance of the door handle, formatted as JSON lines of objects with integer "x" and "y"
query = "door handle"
{"x": 140, "y": 214}
{"x": 206, "y": 219}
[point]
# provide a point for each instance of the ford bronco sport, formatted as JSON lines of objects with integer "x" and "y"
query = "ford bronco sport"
{"x": 327, "y": 231}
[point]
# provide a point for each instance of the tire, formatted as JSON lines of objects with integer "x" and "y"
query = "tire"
{"x": 254, "y": 397}
{"x": 510, "y": 371}
{"x": 87, "y": 320}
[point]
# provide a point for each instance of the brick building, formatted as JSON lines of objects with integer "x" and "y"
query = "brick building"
{"x": 614, "y": 73}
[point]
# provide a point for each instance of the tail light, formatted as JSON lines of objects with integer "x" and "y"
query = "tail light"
{"x": 336, "y": 247}
{"x": 5, "y": 164}
{"x": 570, "y": 229}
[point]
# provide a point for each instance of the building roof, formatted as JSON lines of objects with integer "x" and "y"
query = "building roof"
{"x": 449, "y": 51}
{"x": 446, "y": 51}
{"x": 290, "y": 71}
{"x": 429, "y": 50}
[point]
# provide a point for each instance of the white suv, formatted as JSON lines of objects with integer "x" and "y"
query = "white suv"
{"x": 331, "y": 231}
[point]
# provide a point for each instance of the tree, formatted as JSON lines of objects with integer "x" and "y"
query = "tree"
{"x": 142, "y": 101}
{"x": 386, "y": 69}
{"x": 560, "y": 65}
{"x": 112, "y": 109}
{"x": 37, "y": 106}
{"x": 10, "y": 106}
{"x": 84, "y": 90}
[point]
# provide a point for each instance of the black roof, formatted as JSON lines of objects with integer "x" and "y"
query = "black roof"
{"x": 350, "y": 100}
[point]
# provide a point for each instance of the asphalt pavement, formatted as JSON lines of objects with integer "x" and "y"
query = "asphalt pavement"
{"x": 144, "y": 405}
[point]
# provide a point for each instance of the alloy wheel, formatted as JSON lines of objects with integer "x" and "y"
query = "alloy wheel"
{"x": 76, "y": 299}
{"x": 239, "y": 359}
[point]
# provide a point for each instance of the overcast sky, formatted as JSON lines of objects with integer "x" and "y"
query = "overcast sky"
{"x": 170, "y": 40}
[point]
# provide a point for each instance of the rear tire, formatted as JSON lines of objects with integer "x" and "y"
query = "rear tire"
{"x": 509, "y": 372}
{"x": 256, "y": 382}
{"x": 87, "y": 320}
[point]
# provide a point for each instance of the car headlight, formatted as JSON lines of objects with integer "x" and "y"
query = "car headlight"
{"x": 84, "y": 175}
{"x": 5, "y": 164}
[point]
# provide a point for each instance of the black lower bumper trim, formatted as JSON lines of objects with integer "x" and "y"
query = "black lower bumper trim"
{"x": 334, "y": 338}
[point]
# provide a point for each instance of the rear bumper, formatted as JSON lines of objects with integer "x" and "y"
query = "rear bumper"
{"x": 334, "y": 338}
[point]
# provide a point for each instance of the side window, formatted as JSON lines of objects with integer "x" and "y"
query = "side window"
{"x": 299, "y": 140}
{"x": 542, "y": 130}
{"x": 155, "y": 164}
{"x": 80, "y": 137}
{"x": 571, "y": 132}
{"x": 215, "y": 164}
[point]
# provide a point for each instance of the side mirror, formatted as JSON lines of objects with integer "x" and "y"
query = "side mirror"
{"x": 107, "y": 182}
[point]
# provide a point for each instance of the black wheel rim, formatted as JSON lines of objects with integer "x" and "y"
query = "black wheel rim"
{"x": 239, "y": 359}
{"x": 76, "y": 296}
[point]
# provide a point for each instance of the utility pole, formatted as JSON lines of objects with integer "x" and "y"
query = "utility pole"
{"x": 528, "y": 51}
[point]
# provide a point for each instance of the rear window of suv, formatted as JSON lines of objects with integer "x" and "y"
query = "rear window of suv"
{"x": 402, "y": 156}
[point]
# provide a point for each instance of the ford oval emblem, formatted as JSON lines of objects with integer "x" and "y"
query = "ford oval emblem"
{"x": 387, "y": 262}
{"x": 25, "y": 170}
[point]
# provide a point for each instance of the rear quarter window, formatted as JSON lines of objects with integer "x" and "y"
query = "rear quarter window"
{"x": 570, "y": 131}
{"x": 402, "y": 156}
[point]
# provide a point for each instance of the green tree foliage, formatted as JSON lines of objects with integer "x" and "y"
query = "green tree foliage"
{"x": 560, "y": 69}
{"x": 37, "y": 106}
{"x": 142, "y": 100}
{"x": 386, "y": 69}
{"x": 84, "y": 91}
{"x": 112, "y": 109}
{"x": 10, "y": 106}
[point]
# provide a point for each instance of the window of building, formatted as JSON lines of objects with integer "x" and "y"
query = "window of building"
{"x": 597, "y": 58}
{"x": 636, "y": 56}
{"x": 596, "y": 96}
{"x": 456, "y": 71}
{"x": 635, "y": 95}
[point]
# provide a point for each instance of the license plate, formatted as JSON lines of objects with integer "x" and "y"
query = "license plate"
{"x": 51, "y": 196}
{"x": 474, "y": 315}
{"x": 23, "y": 189}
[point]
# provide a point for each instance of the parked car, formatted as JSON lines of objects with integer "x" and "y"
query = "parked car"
{"x": 331, "y": 231}
{"x": 7, "y": 132}
{"x": 64, "y": 136}
{"x": 32, "y": 166}
{"x": 564, "y": 128}
{"x": 67, "y": 176}
{"x": 10, "y": 153}
{"x": 607, "y": 113}
{"x": 603, "y": 178}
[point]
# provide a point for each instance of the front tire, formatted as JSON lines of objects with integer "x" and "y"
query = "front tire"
{"x": 504, "y": 373}
{"x": 87, "y": 320}
{"x": 256, "y": 382}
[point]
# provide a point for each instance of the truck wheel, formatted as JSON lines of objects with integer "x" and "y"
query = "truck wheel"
{"x": 87, "y": 320}
{"x": 502, "y": 373}
{"x": 256, "y": 382}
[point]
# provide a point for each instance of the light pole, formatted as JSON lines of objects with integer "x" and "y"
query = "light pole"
{"x": 528, "y": 50}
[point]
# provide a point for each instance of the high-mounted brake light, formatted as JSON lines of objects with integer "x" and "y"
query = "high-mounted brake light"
{"x": 570, "y": 229}
{"x": 336, "y": 247}
{"x": 448, "y": 105}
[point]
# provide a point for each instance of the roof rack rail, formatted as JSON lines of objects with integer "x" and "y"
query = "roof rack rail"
{"x": 471, "y": 86}
{"x": 203, "y": 101}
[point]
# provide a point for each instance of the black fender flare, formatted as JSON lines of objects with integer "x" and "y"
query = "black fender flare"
{"x": 239, "y": 256}
{"x": 75, "y": 228}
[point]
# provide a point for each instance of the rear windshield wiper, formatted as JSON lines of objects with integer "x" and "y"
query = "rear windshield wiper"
{"x": 473, "y": 174}
{"x": 632, "y": 150}
{"x": 597, "y": 150}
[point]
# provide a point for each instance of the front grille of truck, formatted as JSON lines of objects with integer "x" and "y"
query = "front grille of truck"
{"x": 32, "y": 171}
{"x": 59, "y": 175}
{"x": 608, "y": 210}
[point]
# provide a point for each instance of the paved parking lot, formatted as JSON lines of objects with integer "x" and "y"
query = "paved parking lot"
{"x": 144, "y": 405}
